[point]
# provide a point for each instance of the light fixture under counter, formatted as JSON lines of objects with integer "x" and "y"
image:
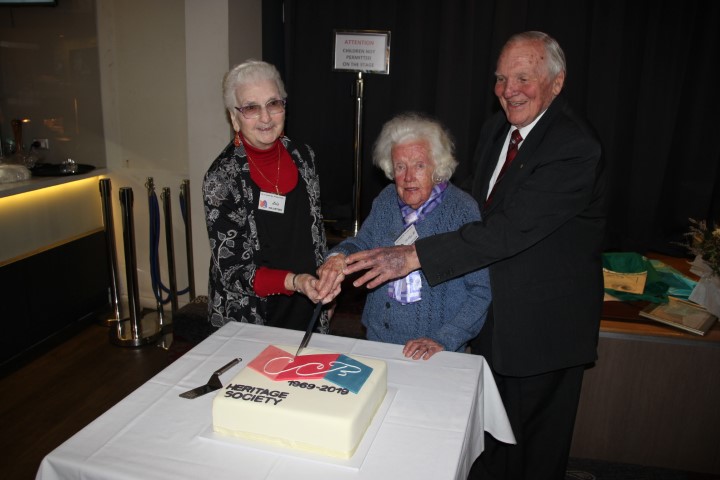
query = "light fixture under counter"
{"x": 37, "y": 183}
{"x": 42, "y": 213}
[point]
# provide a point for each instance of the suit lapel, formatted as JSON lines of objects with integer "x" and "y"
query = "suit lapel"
{"x": 524, "y": 155}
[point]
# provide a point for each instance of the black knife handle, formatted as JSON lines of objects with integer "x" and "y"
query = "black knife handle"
{"x": 227, "y": 367}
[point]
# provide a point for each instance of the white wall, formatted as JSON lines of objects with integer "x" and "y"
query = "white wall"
{"x": 161, "y": 66}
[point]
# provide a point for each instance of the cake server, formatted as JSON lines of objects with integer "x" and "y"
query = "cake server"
{"x": 310, "y": 327}
{"x": 213, "y": 384}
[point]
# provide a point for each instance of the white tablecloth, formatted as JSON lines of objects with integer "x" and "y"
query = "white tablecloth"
{"x": 433, "y": 429}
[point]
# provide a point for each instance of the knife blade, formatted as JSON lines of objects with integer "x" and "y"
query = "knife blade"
{"x": 213, "y": 384}
{"x": 310, "y": 327}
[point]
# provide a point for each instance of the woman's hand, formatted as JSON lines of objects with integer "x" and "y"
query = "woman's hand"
{"x": 421, "y": 348}
{"x": 303, "y": 283}
{"x": 331, "y": 277}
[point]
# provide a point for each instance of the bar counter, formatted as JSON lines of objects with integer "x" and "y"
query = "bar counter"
{"x": 37, "y": 183}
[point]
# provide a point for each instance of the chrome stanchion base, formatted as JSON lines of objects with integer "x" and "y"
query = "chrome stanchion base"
{"x": 110, "y": 319}
{"x": 107, "y": 321}
{"x": 150, "y": 331}
{"x": 167, "y": 333}
{"x": 166, "y": 341}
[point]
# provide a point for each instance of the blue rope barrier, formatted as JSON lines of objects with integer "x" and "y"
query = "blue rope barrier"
{"x": 155, "y": 277}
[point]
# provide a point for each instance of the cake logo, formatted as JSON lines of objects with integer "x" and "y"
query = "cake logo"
{"x": 313, "y": 367}
{"x": 279, "y": 365}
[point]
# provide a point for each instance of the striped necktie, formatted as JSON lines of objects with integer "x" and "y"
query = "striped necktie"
{"x": 515, "y": 139}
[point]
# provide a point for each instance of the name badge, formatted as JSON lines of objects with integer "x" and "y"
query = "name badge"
{"x": 271, "y": 202}
{"x": 408, "y": 237}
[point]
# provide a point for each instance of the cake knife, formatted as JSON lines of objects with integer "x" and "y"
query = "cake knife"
{"x": 213, "y": 384}
{"x": 310, "y": 327}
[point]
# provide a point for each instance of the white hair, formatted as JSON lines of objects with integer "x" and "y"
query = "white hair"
{"x": 408, "y": 127}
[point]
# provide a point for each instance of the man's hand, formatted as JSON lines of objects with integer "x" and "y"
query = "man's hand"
{"x": 382, "y": 264}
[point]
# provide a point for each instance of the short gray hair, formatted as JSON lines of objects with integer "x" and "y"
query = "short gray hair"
{"x": 555, "y": 59}
{"x": 408, "y": 127}
{"x": 250, "y": 71}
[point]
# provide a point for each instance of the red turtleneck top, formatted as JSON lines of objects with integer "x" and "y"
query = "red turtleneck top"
{"x": 265, "y": 172}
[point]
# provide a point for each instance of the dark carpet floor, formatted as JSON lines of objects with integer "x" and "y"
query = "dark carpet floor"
{"x": 581, "y": 469}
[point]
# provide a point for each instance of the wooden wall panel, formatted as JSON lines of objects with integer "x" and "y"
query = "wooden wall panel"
{"x": 652, "y": 401}
{"x": 47, "y": 293}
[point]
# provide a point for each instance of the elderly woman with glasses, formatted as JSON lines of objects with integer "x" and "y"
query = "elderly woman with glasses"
{"x": 417, "y": 153}
{"x": 262, "y": 208}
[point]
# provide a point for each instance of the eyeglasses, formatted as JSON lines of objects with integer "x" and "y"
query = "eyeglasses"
{"x": 251, "y": 111}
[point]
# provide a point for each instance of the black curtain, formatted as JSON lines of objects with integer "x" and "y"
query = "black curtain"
{"x": 644, "y": 73}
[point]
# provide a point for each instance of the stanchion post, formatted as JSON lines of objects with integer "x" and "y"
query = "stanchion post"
{"x": 107, "y": 211}
{"x": 185, "y": 193}
{"x": 157, "y": 285}
{"x": 126, "y": 200}
{"x": 132, "y": 332}
{"x": 170, "y": 246}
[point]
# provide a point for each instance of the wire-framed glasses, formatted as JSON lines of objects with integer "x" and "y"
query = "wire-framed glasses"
{"x": 253, "y": 110}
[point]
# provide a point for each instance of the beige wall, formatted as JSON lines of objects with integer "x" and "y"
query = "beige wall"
{"x": 161, "y": 65}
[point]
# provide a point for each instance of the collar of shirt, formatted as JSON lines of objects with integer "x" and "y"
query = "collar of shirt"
{"x": 524, "y": 132}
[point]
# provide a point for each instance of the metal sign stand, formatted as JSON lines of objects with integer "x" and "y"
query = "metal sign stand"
{"x": 361, "y": 51}
{"x": 357, "y": 146}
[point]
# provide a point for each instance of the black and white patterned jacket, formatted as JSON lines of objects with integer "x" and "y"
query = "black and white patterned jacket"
{"x": 230, "y": 212}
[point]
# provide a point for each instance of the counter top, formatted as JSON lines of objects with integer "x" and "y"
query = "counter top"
{"x": 36, "y": 183}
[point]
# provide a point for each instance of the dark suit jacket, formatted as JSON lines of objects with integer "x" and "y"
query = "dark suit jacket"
{"x": 541, "y": 237}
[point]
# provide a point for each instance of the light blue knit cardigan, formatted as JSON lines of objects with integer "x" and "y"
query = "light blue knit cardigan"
{"x": 451, "y": 313}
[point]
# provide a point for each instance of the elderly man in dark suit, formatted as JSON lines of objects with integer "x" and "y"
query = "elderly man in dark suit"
{"x": 541, "y": 236}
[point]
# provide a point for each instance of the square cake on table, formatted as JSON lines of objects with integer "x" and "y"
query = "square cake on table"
{"x": 320, "y": 402}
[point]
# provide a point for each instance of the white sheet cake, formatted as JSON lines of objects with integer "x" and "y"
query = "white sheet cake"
{"x": 320, "y": 415}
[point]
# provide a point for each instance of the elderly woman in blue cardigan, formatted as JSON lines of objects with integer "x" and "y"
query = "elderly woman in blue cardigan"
{"x": 417, "y": 153}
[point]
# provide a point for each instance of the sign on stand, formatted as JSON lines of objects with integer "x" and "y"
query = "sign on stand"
{"x": 366, "y": 51}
